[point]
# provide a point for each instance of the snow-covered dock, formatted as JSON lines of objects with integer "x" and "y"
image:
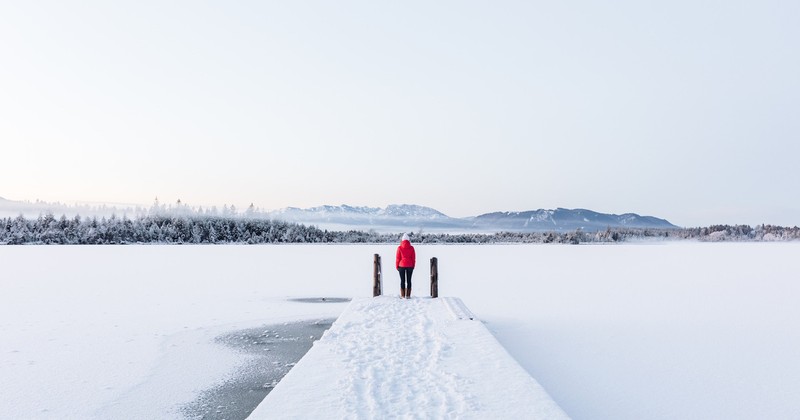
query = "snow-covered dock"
{"x": 419, "y": 358}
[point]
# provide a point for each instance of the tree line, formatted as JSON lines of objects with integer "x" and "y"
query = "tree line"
{"x": 197, "y": 229}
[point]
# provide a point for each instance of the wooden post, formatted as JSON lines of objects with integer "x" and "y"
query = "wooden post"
{"x": 434, "y": 277}
{"x": 377, "y": 287}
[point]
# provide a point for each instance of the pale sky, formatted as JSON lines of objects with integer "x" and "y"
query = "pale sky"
{"x": 686, "y": 110}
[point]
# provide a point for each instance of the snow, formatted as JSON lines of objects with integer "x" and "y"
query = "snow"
{"x": 410, "y": 358}
{"x": 127, "y": 331}
{"x": 667, "y": 331}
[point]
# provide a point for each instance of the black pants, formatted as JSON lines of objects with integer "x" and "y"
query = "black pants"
{"x": 405, "y": 277}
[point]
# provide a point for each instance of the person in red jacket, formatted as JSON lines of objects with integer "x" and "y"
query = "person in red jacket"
{"x": 404, "y": 262}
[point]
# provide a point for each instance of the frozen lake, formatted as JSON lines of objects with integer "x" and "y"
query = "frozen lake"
{"x": 672, "y": 330}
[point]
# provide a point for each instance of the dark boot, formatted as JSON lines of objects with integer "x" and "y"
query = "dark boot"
{"x": 402, "y": 293}
{"x": 408, "y": 293}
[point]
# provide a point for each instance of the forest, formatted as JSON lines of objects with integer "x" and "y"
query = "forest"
{"x": 240, "y": 229}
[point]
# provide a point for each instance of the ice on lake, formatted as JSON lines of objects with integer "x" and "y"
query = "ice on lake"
{"x": 672, "y": 330}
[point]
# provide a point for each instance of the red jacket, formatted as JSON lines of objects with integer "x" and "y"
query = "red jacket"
{"x": 406, "y": 257}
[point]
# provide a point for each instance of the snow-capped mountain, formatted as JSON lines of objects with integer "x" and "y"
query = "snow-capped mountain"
{"x": 394, "y": 217}
{"x": 566, "y": 219}
{"x": 414, "y": 217}
{"x": 412, "y": 211}
{"x": 393, "y": 210}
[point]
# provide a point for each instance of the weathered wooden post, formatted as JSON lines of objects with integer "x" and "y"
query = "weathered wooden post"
{"x": 434, "y": 277}
{"x": 377, "y": 287}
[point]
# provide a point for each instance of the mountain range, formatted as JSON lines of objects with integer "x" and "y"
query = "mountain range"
{"x": 400, "y": 217}
{"x": 392, "y": 218}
